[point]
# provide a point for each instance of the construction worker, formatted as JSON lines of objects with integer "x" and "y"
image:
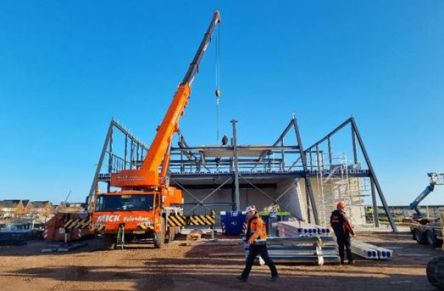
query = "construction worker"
{"x": 256, "y": 236}
{"x": 343, "y": 229}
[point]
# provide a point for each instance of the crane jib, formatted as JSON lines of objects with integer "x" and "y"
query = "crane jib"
{"x": 194, "y": 66}
{"x": 148, "y": 174}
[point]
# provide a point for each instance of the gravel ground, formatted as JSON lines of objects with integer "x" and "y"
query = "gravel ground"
{"x": 179, "y": 266}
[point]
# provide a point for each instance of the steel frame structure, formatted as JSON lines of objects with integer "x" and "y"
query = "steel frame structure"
{"x": 134, "y": 151}
{"x": 233, "y": 166}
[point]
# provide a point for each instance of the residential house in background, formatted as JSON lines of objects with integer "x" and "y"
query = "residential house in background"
{"x": 12, "y": 209}
{"x": 41, "y": 210}
{"x": 66, "y": 207}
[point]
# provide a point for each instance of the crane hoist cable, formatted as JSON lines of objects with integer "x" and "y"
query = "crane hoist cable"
{"x": 217, "y": 92}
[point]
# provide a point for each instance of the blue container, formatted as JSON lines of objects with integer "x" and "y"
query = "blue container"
{"x": 232, "y": 222}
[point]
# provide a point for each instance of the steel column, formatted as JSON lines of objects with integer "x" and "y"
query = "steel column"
{"x": 330, "y": 154}
{"x": 125, "y": 151}
{"x": 375, "y": 205}
{"x": 282, "y": 156}
{"x": 355, "y": 152}
{"x": 110, "y": 160}
{"x": 373, "y": 175}
{"x": 235, "y": 167}
{"x": 308, "y": 186}
{"x": 93, "y": 187}
{"x": 132, "y": 154}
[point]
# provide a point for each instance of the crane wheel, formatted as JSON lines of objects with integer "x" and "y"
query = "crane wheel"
{"x": 171, "y": 234}
{"x": 109, "y": 242}
{"x": 159, "y": 237}
{"x": 435, "y": 272}
{"x": 420, "y": 237}
{"x": 432, "y": 240}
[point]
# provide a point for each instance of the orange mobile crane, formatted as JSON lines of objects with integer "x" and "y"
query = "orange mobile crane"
{"x": 141, "y": 208}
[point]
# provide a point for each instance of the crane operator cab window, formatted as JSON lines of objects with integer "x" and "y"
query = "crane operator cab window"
{"x": 124, "y": 203}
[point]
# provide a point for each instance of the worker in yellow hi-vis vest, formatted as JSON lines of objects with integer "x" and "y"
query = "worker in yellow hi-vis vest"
{"x": 256, "y": 237}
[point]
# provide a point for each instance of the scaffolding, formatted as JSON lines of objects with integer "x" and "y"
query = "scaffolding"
{"x": 339, "y": 185}
{"x": 282, "y": 168}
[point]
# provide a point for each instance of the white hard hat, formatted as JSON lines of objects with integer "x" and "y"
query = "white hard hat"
{"x": 251, "y": 208}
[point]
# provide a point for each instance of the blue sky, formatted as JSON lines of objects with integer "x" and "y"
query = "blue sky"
{"x": 66, "y": 68}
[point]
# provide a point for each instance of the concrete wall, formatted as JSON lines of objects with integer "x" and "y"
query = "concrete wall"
{"x": 291, "y": 196}
{"x": 288, "y": 192}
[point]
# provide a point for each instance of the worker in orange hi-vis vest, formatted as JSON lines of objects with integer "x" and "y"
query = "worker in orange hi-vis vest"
{"x": 256, "y": 237}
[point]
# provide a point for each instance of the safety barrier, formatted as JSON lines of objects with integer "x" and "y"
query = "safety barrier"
{"x": 97, "y": 228}
{"x": 195, "y": 220}
{"x": 143, "y": 226}
{"x": 74, "y": 223}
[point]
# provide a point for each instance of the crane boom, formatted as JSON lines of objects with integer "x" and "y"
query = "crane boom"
{"x": 194, "y": 66}
{"x": 414, "y": 205}
{"x": 435, "y": 179}
{"x": 148, "y": 174}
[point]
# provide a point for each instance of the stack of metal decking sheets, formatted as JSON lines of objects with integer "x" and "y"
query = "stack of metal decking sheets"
{"x": 298, "y": 229}
{"x": 302, "y": 250}
{"x": 369, "y": 251}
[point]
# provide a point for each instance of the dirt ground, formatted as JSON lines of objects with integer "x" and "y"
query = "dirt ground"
{"x": 206, "y": 265}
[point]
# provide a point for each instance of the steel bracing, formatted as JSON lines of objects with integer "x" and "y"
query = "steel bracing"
{"x": 234, "y": 166}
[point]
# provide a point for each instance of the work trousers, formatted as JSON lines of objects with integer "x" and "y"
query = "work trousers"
{"x": 344, "y": 244}
{"x": 253, "y": 251}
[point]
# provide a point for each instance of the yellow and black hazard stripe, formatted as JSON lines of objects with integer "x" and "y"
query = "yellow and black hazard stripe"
{"x": 202, "y": 220}
{"x": 144, "y": 226}
{"x": 183, "y": 220}
{"x": 77, "y": 223}
{"x": 177, "y": 220}
{"x": 97, "y": 228}
{"x": 84, "y": 223}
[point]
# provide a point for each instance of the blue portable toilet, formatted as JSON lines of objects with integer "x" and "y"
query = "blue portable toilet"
{"x": 232, "y": 222}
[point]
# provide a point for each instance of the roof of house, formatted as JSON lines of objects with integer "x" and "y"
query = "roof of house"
{"x": 41, "y": 204}
{"x": 9, "y": 203}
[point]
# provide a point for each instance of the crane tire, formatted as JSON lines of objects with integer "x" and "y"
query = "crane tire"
{"x": 431, "y": 239}
{"x": 420, "y": 237}
{"x": 159, "y": 237}
{"x": 435, "y": 272}
{"x": 109, "y": 242}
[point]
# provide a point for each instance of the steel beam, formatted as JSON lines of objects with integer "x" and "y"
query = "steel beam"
{"x": 239, "y": 147}
{"x": 125, "y": 131}
{"x": 281, "y": 136}
{"x": 331, "y": 133}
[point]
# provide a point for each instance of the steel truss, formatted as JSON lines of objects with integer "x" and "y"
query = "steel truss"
{"x": 233, "y": 166}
